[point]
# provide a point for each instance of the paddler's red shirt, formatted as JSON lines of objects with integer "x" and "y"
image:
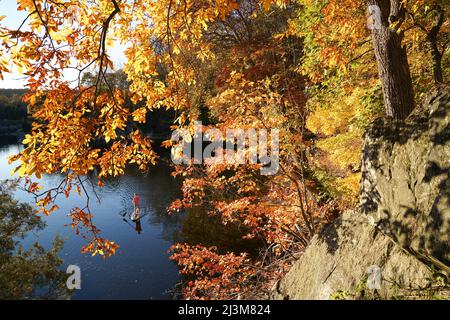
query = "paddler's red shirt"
{"x": 136, "y": 200}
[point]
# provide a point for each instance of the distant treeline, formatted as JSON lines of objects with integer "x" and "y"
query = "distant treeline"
{"x": 158, "y": 121}
{"x": 12, "y": 106}
{"x": 13, "y": 110}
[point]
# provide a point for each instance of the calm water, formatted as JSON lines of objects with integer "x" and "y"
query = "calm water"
{"x": 141, "y": 269}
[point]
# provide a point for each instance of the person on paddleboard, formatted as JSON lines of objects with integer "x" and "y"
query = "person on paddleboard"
{"x": 136, "y": 215}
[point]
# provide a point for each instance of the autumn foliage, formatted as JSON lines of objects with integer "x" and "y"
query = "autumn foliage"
{"x": 304, "y": 67}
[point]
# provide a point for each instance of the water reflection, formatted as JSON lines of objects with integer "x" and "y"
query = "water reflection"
{"x": 200, "y": 228}
{"x": 26, "y": 274}
{"x": 141, "y": 269}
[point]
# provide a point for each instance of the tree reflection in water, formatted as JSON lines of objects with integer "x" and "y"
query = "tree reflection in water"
{"x": 33, "y": 273}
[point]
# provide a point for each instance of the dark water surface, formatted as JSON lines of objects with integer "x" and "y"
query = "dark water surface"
{"x": 141, "y": 269}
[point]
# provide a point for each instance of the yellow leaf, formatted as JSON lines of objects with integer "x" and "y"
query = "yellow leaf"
{"x": 22, "y": 170}
{"x": 15, "y": 170}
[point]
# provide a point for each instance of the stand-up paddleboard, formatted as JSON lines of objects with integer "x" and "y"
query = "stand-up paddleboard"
{"x": 133, "y": 216}
{"x": 136, "y": 215}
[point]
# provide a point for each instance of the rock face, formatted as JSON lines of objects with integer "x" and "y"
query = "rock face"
{"x": 402, "y": 229}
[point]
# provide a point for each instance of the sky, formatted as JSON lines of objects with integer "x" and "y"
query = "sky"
{"x": 13, "y": 20}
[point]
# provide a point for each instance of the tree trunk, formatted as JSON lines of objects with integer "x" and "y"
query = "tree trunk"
{"x": 437, "y": 63}
{"x": 432, "y": 41}
{"x": 392, "y": 59}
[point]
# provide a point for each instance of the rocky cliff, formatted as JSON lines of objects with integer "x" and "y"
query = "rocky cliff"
{"x": 397, "y": 243}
